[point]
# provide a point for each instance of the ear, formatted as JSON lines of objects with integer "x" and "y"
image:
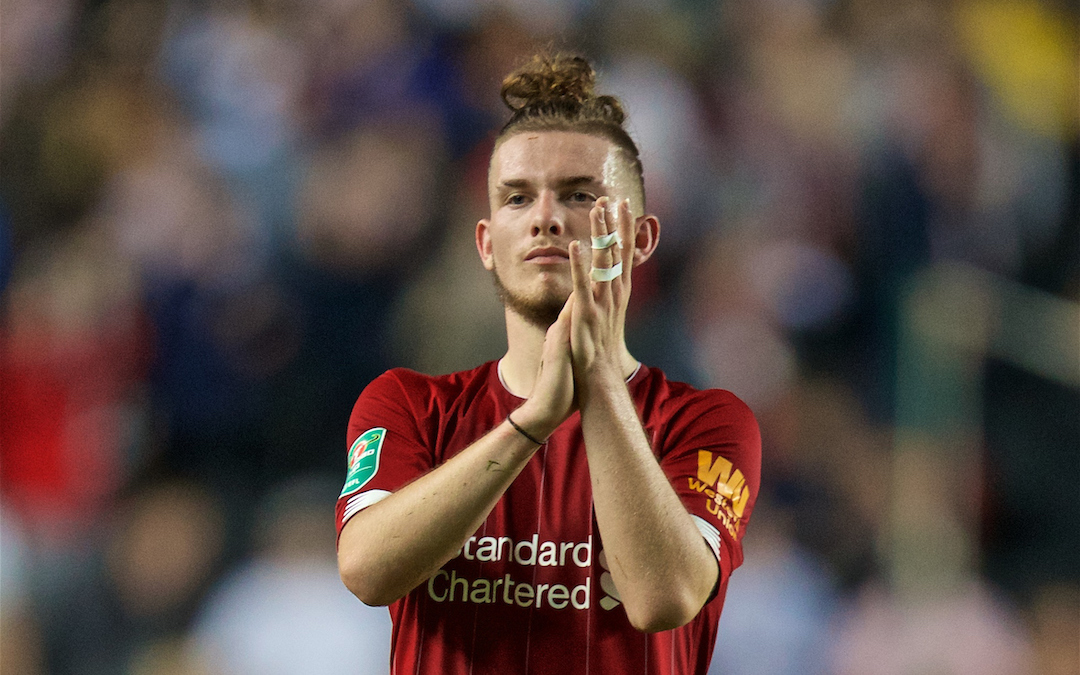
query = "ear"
{"x": 646, "y": 237}
{"x": 483, "y": 244}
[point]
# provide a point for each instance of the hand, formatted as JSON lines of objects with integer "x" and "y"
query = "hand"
{"x": 552, "y": 399}
{"x": 598, "y": 321}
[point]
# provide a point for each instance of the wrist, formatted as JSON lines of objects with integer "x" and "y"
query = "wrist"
{"x": 601, "y": 380}
{"x": 605, "y": 390}
{"x": 521, "y": 430}
{"x": 535, "y": 426}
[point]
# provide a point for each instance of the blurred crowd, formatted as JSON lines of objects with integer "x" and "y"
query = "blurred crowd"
{"x": 220, "y": 219}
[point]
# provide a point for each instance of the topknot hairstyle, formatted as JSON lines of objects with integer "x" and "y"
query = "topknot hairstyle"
{"x": 555, "y": 92}
{"x": 558, "y": 85}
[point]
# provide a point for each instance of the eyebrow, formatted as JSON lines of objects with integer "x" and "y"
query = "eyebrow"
{"x": 562, "y": 183}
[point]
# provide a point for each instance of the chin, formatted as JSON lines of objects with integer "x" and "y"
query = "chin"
{"x": 540, "y": 309}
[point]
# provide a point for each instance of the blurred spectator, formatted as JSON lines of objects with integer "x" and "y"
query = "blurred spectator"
{"x": 21, "y": 649}
{"x": 737, "y": 343}
{"x": 7, "y": 249}
{"x": 1030, "y": 537}
{"x": 1054, "y": 621}
{"x": 74, "y": 347}
{"x": 285, "y": 611}
{"x": 35, "y": 40}
{"x": 242, "y": 82}
{"x": 222, "y": 326}
{"x": 666, "y": 122}
{"x": 367, "y": 199}
{"x": 454, "y": 296}
{"x": 131, "y": 608}
{"x": 965, "y": 630}
{"x": 828, "y": 473}
{"x": 778, "y": 608}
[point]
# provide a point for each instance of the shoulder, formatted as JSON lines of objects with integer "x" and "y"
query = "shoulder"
{"x": 410, "y": 385}
{"x": 409, "y": 400}
{"x": 675, "y": 396}
{"x": 678, "y": 404}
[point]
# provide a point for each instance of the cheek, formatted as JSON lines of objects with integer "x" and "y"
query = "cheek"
{"x": 500, "y": 255}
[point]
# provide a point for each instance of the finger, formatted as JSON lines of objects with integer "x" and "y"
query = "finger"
{"x": 579, "y": 272}
{"x": 598, "y": 220}
{"x": 557, "y": 339}
{"x": 561, "y": 327}
{"x": 602, "y": 223}
{"x": 556, "y": 369}
{"x": 626, "y": 225}
{"x": 606, "y": 254}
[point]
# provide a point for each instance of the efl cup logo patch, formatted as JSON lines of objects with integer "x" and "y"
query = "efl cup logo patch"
{"x": 363, "y": 459}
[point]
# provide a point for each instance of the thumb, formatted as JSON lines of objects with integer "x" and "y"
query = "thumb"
{"x": 559, "y": 332}
{"x": 557, "y": 339}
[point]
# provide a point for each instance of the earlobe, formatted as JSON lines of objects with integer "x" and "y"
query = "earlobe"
{"x": 483, "y": 243}
{"x": 646, "y": 238}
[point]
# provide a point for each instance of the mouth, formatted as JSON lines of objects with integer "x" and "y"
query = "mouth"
{"x": 547, "y": 255}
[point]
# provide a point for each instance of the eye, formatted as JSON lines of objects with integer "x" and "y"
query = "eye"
{"x": 516, "y": 199}
{"x": 581, "y": 197}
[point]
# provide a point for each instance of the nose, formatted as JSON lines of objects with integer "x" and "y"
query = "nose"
{"x": 548, "y": 215}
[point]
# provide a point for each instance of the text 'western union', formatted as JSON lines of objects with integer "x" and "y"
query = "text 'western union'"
{"x": 449, "y": 587}
{"x": 725, "y": 487}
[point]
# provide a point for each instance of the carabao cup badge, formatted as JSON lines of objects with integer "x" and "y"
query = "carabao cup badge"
{"x": 363, "y": 459}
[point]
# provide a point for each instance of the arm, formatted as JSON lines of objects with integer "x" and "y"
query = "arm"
{"x": 390, "y": 547}
{"x": 662, "y": 567}
{"x": 659, "y": 561}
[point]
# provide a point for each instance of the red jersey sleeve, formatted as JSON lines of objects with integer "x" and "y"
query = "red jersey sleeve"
{"x": 712, "y": 456}
{"x": 386, "y": 443}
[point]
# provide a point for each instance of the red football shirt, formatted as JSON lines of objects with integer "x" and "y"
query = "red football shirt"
{"x": 529, "y": 592}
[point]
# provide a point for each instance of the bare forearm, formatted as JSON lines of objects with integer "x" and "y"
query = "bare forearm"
{"x": 389, "y": 548}
{"x": 662, "y": 567}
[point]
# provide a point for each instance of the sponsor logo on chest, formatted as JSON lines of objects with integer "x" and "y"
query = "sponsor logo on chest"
{"x": 450, "y": 586}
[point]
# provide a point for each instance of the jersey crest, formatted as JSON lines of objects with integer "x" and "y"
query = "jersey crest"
{"x": 363, "y": 460}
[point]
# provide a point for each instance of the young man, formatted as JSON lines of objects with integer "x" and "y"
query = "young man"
{"x": 565, "y": 509}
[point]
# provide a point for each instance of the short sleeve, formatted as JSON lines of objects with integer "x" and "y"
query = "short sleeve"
{"x": 387, "y": 448}
{"x": 712, "y": 456}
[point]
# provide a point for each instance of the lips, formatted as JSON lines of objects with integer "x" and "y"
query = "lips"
{"x": 548, "y": 254}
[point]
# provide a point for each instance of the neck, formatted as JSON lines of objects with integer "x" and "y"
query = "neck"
{"x": 525, "y": 344}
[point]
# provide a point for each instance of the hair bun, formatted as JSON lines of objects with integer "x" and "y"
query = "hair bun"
{"x": 548, "y": 79}
{"x": 554, "y": 92}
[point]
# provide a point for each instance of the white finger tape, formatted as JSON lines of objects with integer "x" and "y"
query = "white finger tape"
{"x": 607, "y": 273}
{"x": 607, "y": 241}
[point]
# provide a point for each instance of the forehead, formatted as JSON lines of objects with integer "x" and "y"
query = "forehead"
{"x": 542, "y": 157}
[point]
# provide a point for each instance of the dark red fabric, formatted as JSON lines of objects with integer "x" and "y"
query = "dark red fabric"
{"x": 528, "y": 593}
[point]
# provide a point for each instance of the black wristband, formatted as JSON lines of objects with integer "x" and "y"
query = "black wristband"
{"x": 523, "y": 432}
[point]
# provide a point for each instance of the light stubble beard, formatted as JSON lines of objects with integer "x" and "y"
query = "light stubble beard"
{"x": 541, "y": 312}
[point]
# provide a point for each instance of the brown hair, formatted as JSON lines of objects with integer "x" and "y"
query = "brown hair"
{"x": 554, "y": 92}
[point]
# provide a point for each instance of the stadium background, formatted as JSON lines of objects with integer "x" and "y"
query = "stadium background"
{"x": 220, "y": 219}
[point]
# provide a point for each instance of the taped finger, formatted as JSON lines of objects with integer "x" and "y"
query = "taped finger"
{"x": 607, "y": 241}
{"x": 602, "y": 274}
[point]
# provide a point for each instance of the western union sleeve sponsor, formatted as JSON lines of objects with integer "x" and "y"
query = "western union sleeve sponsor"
{"x": 725, "y": 488}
